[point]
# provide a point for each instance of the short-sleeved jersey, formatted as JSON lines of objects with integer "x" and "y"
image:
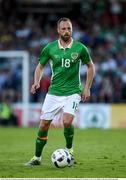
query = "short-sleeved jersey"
{"x": 65, "y": 64}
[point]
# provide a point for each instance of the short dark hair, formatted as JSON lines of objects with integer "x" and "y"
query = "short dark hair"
{"x": 62, "y": 19}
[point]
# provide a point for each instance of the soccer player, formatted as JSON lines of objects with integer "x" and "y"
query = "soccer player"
{"x": 65, "y": 56}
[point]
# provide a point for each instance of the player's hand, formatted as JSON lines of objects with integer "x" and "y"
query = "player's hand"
{"x": 85, "y": 95}
{"x": 34, "y": 87}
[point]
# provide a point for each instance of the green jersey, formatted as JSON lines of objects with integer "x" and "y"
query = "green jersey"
{"x": 65, "y": 64}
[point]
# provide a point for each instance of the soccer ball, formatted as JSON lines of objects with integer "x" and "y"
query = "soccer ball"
{"x": 61, "y": 158}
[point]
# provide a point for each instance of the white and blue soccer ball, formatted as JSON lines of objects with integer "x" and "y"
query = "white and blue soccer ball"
{"x": 61, "y": 158}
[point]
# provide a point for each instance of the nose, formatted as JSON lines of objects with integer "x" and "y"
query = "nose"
{"x": 67, "y": 31}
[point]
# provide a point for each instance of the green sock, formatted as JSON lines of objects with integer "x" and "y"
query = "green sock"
{"x": 40, "y": 142}
{"x": 69, "y": 133}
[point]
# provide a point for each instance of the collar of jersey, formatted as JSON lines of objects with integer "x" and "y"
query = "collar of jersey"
{"x": 68, "y": 47}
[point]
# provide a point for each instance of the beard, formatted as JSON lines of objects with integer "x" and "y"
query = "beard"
{"x": 65, "y": 37}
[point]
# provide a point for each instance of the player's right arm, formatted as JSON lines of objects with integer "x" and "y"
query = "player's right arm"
{"x": 37, "y": 78}
{"x": 43, "y": 59}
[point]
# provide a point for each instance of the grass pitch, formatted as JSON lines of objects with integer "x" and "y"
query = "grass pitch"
{"x": 99, "y": 153}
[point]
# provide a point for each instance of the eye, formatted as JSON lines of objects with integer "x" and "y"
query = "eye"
{"x": 63, "y": 28}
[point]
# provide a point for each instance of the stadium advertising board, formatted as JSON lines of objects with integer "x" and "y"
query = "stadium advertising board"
{"x": 93, "y": 116}
{"x": 118, "y": 119}
{"x": 88, "y": 116}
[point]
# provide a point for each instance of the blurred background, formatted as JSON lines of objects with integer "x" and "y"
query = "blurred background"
{"x": 26, "y": 26}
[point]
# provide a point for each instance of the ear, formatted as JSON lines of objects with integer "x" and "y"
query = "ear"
{"x": 58, "y": 30}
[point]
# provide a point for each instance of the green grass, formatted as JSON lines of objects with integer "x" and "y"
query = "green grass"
{"x": 99, "y": 153}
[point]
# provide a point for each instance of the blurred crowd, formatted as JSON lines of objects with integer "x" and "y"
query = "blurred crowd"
{"x": 100, "y": 25}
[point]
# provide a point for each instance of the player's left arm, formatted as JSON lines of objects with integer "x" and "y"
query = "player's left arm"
{"x": 90, "y": 75}
{"x": 87, "y": 60}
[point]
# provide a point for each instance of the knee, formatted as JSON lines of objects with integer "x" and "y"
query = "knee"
{"x": 44, "y": 125}
{"x": 66, "y": 123}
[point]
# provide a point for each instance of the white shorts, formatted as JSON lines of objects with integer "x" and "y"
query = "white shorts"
{"x": 53, "y": 105}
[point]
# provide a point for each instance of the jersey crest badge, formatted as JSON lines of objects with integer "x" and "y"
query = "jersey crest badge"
{"x": 74, "y": 56}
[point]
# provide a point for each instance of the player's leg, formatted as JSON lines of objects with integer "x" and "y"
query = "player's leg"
{"x": 42, "y": 137}
{"x": 70, "y": 110}
{"x": 41, "y": 140}
{"x": 68, "y": 129}
{"x": 50, "y": 108}
{"x": 69, "y": 134}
